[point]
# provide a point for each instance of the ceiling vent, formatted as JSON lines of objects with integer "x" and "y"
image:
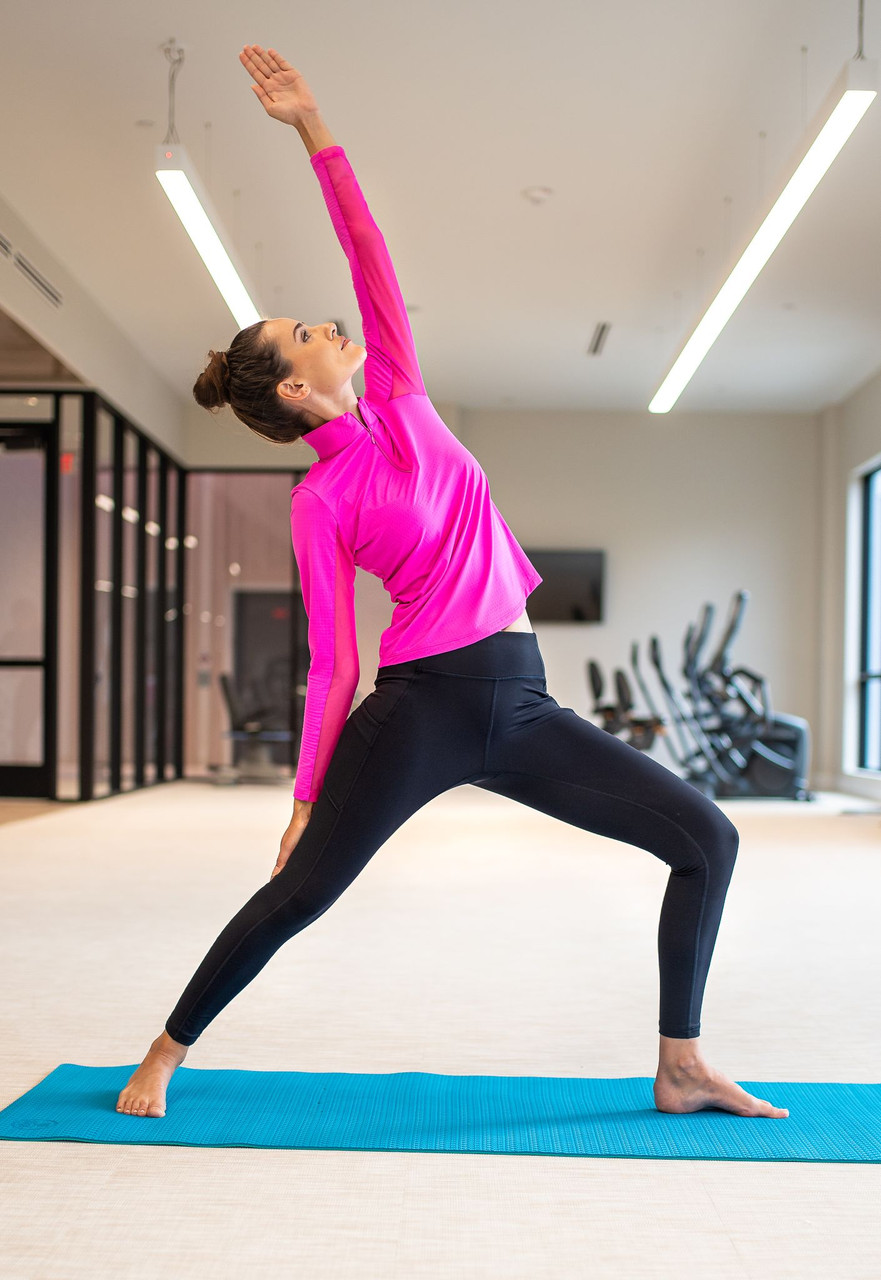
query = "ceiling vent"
{"x": 5, "y": 246}
{"x": 39, "y": 281}
{"x": 598, "y": 341}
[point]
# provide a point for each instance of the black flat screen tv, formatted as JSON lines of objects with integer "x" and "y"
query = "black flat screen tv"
{"x": 571, "y": 589}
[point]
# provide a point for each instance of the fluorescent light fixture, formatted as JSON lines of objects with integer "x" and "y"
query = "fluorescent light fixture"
{"x": 835, "y": 122}
{"x": 180, "y": 183}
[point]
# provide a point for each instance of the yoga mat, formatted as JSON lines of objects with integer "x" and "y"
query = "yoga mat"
{"x": 418, "y": 1111}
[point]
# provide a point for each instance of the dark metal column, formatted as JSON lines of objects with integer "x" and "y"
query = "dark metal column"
{"x": 162, "y": 626}
{"x": 180, "y": 623}
{"x": 87, "y": 598}
{"x": 116, "y": 671}
{"x": 50, "y": 641}
{"x": 141, "y": 601}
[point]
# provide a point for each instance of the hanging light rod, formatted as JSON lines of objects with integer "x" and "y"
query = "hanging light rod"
{"x": 177, "y": 175}
{"x": 180, "y": 183}
{"x": 842, "y": 111}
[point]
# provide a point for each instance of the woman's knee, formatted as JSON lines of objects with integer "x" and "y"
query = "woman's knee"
{"x": 723, "y": 845}
{"x": 712, "y": 846}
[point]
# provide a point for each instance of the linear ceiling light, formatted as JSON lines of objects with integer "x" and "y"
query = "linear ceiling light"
{"x": 179, "y": 180}
{"x": 835, "y": 122}
{"x": 180, "y": 183}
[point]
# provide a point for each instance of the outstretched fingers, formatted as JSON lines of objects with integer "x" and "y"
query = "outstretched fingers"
{"x": 283, "y": 91}
{"x": 253, "y": 61}
{"x": 279, "y": 63}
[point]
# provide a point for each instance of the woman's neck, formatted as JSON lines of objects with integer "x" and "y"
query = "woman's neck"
{"x": 327, "y": 408}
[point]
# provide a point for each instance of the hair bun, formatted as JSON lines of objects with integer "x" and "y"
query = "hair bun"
{"x": 211, "y": 388}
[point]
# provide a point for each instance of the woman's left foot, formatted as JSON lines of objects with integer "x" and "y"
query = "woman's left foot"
{"x": 144, "y": 1095}
{"x": 691, "y": 1086}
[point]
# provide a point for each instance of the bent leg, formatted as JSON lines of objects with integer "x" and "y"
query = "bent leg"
{"x": 551, "y": 759}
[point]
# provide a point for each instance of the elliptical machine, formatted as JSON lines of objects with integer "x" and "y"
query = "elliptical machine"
{"x": 728, "y": 742}
{"x": 775, "y": 748}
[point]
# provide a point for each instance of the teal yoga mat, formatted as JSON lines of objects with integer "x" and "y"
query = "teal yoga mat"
{"x": 418, "y": 1111}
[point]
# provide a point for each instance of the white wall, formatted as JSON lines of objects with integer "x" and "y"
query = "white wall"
{"x": 220, "y": 440}
{"x": 85, "y": 338}
{"x": 688, "y": 508}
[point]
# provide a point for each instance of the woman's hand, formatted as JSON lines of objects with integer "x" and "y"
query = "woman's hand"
{"x": 296, "y": 827}
{"x": 281, "y": 88}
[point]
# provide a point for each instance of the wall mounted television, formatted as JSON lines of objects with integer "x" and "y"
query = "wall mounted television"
{"x": 572, "y": 586}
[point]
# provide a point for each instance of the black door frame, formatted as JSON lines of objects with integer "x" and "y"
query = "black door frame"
{"x": 40, "y": 779}
{"x": 167, "y": 683}
{"x": 168, "y": 720}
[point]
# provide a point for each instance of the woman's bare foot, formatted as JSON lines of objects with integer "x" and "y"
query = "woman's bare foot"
{"x": 686, "y": 1082}
{"x": 144, "y": 1095}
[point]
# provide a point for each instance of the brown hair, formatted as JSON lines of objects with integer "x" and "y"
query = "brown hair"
{"x": 245, "y": 377}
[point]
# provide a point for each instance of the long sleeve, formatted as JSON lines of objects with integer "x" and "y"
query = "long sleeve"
{"x": 327, "y": 579}
{"x": 391, "y": 368}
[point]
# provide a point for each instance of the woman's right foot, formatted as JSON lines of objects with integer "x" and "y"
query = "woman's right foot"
{"x": 686, "y": 1082}
{"x": 144, "y": 1095}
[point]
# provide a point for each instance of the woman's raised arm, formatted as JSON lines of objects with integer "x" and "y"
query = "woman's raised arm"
{"x": 285, "y": 95}
{"x": 392, "y": 366}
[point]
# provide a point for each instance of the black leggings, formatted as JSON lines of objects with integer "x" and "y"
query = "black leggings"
{"x": 482, "y": 714}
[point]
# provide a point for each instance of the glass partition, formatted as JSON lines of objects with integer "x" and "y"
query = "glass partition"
{"x": 70, "y": 552}
{"x": 159, "y": 598}
{"x": 90, "y": 641}
{"x": 22, "y": 516}
{"x": 25, "y": 627}
{"x": 870, "y": 665}
{"x": 247, "y": 656}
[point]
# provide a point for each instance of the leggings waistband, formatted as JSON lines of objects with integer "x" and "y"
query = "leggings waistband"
{"x": 505, "y": 654}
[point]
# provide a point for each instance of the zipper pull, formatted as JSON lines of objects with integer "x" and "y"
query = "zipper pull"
{"x": 369, "y": 432}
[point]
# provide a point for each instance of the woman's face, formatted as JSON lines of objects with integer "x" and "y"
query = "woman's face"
{"x": 320, "y": 358}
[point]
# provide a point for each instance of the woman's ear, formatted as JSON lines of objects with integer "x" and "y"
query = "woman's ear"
{"x": 294, "y": 391}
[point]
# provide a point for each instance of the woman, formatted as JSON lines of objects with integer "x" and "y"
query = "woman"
{"x": 460, "y": 691}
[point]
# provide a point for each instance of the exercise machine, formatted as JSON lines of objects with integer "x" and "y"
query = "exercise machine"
{"x": 721, "y": 729}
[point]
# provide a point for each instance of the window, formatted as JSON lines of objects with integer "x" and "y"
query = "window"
{"x": 870, "y": 626}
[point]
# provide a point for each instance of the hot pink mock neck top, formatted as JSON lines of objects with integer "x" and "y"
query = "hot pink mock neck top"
{"x": 399, "y": 497}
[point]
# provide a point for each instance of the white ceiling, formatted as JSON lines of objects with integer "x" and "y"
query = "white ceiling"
{"x": 643, "y": 117}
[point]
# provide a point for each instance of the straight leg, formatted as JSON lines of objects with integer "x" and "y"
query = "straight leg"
{"x": 388, "y": 763}
{"x": 407, "y": 742}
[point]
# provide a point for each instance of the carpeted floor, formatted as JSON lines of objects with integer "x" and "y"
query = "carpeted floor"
{"x": 484, "y": 938}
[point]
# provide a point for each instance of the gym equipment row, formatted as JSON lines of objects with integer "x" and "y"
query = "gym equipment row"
{"x": 720, "y": 729}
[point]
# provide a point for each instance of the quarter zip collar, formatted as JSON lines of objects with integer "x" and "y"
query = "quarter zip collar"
{"x": 332, "y": 437}
{"x": 340, "y": 433}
